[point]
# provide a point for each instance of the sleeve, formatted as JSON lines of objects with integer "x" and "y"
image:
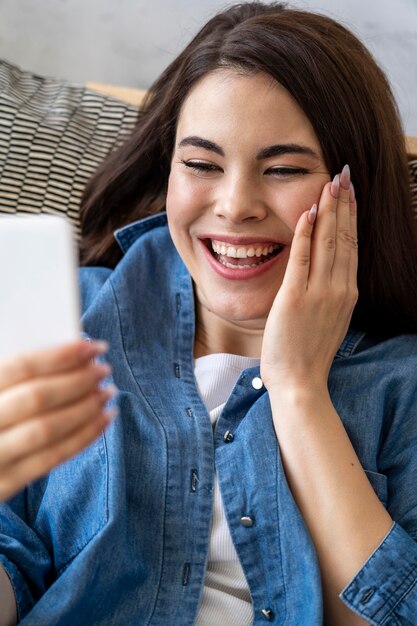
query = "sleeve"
{"x": 23, "y": 556}
{"x": 384, "y": 591}
{"x": 8, "y": 614}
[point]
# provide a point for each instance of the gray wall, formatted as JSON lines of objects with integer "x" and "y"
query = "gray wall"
{"x": 128, "y": 42}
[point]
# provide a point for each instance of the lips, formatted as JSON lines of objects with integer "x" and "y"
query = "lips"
{"x": 239, "y": 258}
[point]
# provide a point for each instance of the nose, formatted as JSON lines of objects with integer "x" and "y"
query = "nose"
{"x": 239, "y": 200}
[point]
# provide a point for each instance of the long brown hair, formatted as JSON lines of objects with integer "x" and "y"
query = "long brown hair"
{"x": 348, "y": 100}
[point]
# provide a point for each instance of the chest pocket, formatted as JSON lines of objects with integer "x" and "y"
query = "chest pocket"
{"x": 379, "y": 484}
{"x": 74, "y": 505}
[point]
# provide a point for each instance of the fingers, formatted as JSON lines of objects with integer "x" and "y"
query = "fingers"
{"x": 345, "y": 260}
{"x": 353, "y": 262}
{"x": 334, "y": 245}
{"x": 48, "y": 393}
{"x": 332, "y": 240}
{"x": 298, "y": 268}
{"x": 324, "y": 236}
{"x": 51, "y": 407}
{"x": 14, "y": 370}
{"x": 327, "y": 253}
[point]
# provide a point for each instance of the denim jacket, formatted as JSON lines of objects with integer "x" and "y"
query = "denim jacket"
{"x": 119, "y": 534}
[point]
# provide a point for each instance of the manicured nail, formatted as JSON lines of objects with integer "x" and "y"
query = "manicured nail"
{"x": 312, "y": 214}
{"x": 351, "y": 193}
{"x": 335, "y": 186}
{"x": 100, "y": 347}
{"x": 95, "y": 348}
{"x": 110, "y": 414}
{"x": 102, "y": 371}
{"x": 345, "y": 177}
{"x": 107, "y": 393}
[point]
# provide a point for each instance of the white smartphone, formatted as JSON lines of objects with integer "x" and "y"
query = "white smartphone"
{"x": 39, "y": 296}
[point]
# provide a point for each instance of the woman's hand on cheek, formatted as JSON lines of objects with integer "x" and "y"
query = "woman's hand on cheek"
{"x": 312, "y": 310}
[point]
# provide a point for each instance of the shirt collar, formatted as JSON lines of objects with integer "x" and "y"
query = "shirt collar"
{"x": 127, "y": 235}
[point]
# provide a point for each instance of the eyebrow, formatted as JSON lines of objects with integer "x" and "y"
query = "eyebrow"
{"x": 199, "y": 142}
{"x": 286, "y": 148}
{"x": 265, "y": 153}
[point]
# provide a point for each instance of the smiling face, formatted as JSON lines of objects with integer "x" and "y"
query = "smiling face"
{"x": 246, "y": 164}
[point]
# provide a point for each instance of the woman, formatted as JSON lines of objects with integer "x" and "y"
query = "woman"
{"x": 240, "y": 304}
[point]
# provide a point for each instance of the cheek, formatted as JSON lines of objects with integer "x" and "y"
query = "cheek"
{"x": 182, "y": 207}
{"x": 291, "y": 201}
{"x": 176, "y": 194}
{"x": 185, "y": 198}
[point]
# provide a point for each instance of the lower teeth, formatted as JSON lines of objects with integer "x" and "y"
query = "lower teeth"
{"x": 239, "y": 267}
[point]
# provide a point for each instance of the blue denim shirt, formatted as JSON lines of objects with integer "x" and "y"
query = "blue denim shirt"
{"x": 119, "y": 535}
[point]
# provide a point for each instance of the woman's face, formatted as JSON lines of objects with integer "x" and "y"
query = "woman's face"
{"x": 246, "y": 164}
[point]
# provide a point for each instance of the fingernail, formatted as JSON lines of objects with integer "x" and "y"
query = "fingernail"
{"x": 335, "y": 186}
{"x": 345, "y": 177}
{"x": 100, "y": 347}
{"x": 102, "y": 371}
{"x": 351, "y": 193}
{"x": 95, "y": 348}
{"x": 108, "y": 392}
{"x": 312, "y": 214}
{"x": 110, "y": 414}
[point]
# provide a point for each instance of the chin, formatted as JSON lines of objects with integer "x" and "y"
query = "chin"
{"x": 243, "y": 310}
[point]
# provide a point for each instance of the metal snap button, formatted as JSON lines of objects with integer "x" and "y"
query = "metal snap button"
{"x": 228, "y": 436}
{"x": 257, "y": 383}
{"x": 246, "y": 520}
{"x": 268, "y": 614}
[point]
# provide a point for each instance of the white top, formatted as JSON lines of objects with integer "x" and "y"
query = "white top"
{"x": 226, "y": 598}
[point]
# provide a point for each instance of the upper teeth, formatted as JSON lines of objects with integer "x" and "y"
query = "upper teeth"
{"x": 242, "y": 252}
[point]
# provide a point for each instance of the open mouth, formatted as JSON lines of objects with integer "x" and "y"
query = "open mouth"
{"x": 240, "y": 256}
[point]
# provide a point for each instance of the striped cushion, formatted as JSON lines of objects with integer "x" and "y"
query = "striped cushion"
{"x": 53, "y": 135}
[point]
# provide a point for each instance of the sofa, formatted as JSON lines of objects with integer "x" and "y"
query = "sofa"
{"x": 54, "y": 134}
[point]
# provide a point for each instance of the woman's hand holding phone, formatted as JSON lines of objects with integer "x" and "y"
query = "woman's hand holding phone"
{"x": 51, "y": 407}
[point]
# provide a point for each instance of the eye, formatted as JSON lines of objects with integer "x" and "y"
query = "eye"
{"x": 201, "y": 166}
{"x": 286, "y": 172}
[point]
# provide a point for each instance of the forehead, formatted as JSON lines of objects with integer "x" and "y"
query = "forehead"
{"x": 244, "y": 107}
